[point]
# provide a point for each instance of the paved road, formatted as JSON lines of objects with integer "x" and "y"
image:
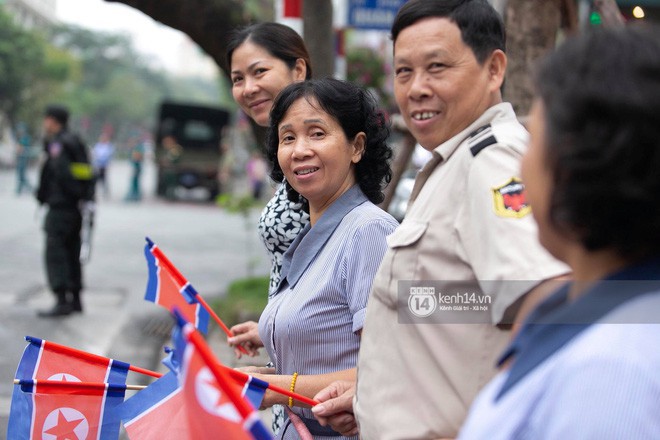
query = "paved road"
{"x": 208, "y": 245}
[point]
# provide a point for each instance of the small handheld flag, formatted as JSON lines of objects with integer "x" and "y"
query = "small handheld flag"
{"x": 143, "y": 413}
{"x": 213, "y": 401}
{"x": 32, "y": 414}
{"x": 161, "y": 289}
{"x": 167, "y": 288}
{"x": 67, "y": 410}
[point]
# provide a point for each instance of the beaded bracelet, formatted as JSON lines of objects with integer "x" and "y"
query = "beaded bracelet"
{"x": 292, "y": 387}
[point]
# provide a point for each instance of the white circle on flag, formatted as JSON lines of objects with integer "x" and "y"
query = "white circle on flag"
{"x": 211, "y": 399}
{"x": 64, "y": 377}
{"x": 66, "y": 419}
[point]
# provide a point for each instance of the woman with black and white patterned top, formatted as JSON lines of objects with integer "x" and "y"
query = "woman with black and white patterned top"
{"x": 263, "y": 59}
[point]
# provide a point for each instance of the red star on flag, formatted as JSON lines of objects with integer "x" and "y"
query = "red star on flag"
{"x": 64, "y": 428}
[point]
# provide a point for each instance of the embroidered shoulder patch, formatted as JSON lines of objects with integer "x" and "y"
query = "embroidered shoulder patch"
{"x": 510, "y": 199}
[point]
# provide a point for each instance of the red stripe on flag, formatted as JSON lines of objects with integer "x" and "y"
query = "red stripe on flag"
{"x": 211, "y": 410}
{"x": 55, "y": 364}
{"x": 167, "y": 264}
{"x": 92, "y": 358}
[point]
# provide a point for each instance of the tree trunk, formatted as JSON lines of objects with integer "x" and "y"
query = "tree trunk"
{"x": 532, "y": 31}
{"x": 319, "y": 37}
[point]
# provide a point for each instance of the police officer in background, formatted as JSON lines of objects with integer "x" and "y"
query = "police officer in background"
{"x": 66, "y": 182}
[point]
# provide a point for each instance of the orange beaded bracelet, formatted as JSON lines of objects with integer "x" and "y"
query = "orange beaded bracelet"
{"x": 292, "y": 387}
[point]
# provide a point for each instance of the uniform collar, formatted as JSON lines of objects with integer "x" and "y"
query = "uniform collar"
{"x": 556, "y": 321}
{"x": 310, "y": 241}
{"x": 501, "y": 111}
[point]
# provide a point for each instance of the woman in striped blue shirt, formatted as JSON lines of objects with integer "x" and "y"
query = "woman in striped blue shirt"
{"x": 328, "y": 140}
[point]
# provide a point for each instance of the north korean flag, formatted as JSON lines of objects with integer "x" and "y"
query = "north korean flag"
{"x": 214, "y": 404}
{"x": 31, "y": 415}
{"x": 67, "y": 411}
{"x": 169, "y": 291}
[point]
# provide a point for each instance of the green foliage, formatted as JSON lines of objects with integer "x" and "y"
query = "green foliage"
{"x": 245, "y": 299}
{"x": 367, "y": 68}
{"x": 258, "y": 10}
{"x": 237, "y": 204}
{"x": 98, "y": 75}
{"x": 113, "y": 86}
{"x": 21, "y": 65}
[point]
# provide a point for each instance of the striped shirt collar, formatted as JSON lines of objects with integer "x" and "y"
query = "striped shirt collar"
{"x": 310, "y": 241}
{"x": 556, "y": 321}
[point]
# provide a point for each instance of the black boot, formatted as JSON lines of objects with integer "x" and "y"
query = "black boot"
{"x": 76, "y": 305}
{"x": 61, "y": 308}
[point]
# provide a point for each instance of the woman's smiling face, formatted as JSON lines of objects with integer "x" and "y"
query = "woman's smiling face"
{"x": 316, "y": 157}
{"x": 258, "y": 77}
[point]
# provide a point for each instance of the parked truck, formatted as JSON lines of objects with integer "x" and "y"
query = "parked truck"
{"x": 187, "y": 148}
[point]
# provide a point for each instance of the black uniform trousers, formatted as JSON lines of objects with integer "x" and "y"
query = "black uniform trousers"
{"x": 63, "y": 267}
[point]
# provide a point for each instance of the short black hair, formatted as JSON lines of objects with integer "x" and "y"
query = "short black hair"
{"x": 279, "y": 40}
{"x": 58, "y": 112}
{"x": 356, "y": 110}
{"x": 601, "y": 96}
{"x": 481, "y": 26}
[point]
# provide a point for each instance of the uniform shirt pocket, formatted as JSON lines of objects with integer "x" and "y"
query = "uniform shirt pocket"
{"x": 401, "y": 262}
{"x": 407, "y": 234}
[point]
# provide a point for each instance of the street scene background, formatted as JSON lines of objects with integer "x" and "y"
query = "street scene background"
{"x": 209, "y": 246}
{"x": 114, "y": 65}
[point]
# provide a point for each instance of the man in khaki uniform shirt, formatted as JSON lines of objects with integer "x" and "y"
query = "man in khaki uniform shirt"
{"x": 418, "y": 380}
{"x": 468, "y": 220}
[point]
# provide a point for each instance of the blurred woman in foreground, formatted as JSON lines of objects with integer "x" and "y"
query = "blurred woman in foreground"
{"x": 585, "y": 364}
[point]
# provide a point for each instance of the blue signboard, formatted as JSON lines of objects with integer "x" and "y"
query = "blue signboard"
{"x": 373, "y": 14}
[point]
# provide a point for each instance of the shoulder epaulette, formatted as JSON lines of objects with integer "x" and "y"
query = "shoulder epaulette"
{"x": 481, "y": 138}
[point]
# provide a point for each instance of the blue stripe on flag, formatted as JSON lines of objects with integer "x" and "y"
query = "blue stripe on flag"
{"x": 20, "y": 413}
{"x": 258, "y": 429}
{"x": 114, "y": 397}
{"x": 202, "y": 317}
{"x": 152, "y": 281}
{"x": 118, "y": 371}
{"x": 148, "y": 397}
{"x": 254, "y": 391}
{"x": 30, "y": 357}
{"x": 189, "y": 293}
